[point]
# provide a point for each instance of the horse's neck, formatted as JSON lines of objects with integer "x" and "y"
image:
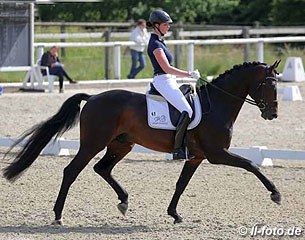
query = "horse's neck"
{"x": 228, "y": 106}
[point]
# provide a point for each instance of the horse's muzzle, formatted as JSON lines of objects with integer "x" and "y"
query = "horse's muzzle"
{"x": 269, "y": 114}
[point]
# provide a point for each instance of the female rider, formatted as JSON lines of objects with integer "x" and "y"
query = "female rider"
{"x": 165, "y": 78}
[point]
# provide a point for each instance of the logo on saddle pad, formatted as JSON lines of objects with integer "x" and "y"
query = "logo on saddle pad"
{"x": 158, "y": 119}
{"x": 161, "y": 115}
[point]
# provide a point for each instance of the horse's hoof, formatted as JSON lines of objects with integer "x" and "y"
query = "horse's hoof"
{"x": 276, "y": 197}
{"x": 58, "y": 222}
{"x": 178, "y": 220}
{"x": 123, "y": 208}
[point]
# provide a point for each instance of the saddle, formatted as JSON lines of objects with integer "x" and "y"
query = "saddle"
{"x": 152, "y": 95}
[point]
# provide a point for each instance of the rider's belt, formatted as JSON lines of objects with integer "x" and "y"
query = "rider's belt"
{"x": 159, "y": 74}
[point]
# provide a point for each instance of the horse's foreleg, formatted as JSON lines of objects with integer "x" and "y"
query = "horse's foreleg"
{"x": 116, "y": 150}
{"x": 225, "y": 157}
{"x": 187, "y": 172}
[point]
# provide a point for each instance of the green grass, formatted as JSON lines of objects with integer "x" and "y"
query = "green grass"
{"x": 89, "y": 63}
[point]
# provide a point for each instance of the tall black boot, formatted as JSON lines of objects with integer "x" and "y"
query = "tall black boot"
{"x": 179, "y": 151}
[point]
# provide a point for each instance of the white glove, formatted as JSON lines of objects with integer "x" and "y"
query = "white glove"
{"x": 195, "y": 74}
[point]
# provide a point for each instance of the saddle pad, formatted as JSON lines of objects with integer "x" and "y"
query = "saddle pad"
{"x": 158, "y": 113}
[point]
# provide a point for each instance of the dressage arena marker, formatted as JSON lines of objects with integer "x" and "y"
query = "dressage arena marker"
{"x": 292, "y": 93}
{"x": 293, "y": 70}
{"x": 258, "y": 154}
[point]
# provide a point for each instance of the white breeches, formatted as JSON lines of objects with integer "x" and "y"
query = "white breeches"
{"x": 168, "y": 87}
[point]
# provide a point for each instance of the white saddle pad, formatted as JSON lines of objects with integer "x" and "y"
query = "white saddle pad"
{"x": 158, "y": 113}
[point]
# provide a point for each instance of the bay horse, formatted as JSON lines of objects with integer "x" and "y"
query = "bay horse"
{"x": 117, "y": 119}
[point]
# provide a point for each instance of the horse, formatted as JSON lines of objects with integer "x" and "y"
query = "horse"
{"x": 117, "y": 120}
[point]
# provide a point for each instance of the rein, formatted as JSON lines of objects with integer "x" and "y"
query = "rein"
{"x": 261, "y": 105}
{"x": 247, "y": 100}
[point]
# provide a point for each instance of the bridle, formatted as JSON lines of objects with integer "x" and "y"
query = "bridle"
{"x": 262, "y": 103}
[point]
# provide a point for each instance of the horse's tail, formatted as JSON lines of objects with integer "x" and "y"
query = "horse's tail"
{"x": 40, "y": 134}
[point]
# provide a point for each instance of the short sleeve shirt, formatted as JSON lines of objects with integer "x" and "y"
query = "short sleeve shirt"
{"x": 153, "y": 44}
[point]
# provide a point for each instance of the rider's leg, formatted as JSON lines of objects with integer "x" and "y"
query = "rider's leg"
{"x": 179, "y": 151}
{"x": 169, "y": 89}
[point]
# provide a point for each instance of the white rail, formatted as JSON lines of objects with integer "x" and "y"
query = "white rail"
{"x": 259, "y": 155}
{"x": 199, "y": 33}
{"x": 190, "y": 43}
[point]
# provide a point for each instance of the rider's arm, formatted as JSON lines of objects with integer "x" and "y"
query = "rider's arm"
{"x": 166, "y": 67}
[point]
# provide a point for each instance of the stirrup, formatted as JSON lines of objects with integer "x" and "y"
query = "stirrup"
{"x": 180, "y": 154}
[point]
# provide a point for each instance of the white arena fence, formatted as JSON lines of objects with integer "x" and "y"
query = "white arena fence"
{"x": 116, "y": 45}
{"x": 181, "y": 33}
{"x": 190, "y": 47}
{"x": 258, "y": 154}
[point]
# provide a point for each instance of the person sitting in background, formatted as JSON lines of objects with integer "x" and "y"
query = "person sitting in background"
{"x": 140, "y": 36}
{"x": 50, "y": 59}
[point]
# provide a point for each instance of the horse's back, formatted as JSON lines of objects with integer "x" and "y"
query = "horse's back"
{"x": 114, "y": 103}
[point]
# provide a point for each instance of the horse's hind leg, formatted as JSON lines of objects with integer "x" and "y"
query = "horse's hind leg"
{"x": 71, "y": 172}
{"x": 116, "y": 150}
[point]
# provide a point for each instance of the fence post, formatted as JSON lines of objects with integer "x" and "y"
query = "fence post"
{"x": 63, "y": 30}
{"x": 256, "y": 26}
{"x": 190, "y": 56}
{"x": 247, "y": 45}
{"x": 107, "y": 55}
{"x": 260, "y": 51}
{"x": 117, "y": 61}
{"x": 177, "y": 47}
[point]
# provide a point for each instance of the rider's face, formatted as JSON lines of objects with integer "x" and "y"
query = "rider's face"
{"x": 164, "y": 27}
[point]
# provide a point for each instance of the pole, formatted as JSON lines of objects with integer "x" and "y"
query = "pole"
{"x": 117, "y": 61}
{"x": 107, "y": 55}
{"x": 63, "y": 30}
{"x": 260, "y": 51}
{"x": 190, "y": 57}
{"x": 31, "y": 7}
{"x": 177, "y": 48}
{"x": 247, "y": 45}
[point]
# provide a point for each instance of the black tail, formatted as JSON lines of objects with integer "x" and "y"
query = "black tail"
{"x": 41, "y": 134}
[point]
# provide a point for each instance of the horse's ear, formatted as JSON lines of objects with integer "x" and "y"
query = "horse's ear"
{"x": 274, "y": 66}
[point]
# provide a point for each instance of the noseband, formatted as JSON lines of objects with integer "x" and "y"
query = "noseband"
{"x": 269, "y": 82}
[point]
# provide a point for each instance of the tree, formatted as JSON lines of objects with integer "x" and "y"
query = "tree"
{"x": 288, "y": 12}
{"x": 280, "y": 12}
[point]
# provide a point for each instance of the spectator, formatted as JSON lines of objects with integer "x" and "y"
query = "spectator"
{"x": 51, "y": 60}
{"x": 140, "y": 36}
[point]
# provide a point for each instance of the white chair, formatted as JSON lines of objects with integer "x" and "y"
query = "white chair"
{"x": 48, "y": 76}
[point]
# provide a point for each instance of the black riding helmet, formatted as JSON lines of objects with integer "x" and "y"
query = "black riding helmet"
{"x": 159, "y": 16}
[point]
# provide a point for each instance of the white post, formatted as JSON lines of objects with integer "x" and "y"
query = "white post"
{"x": 39, "y": 52}
{"x": 117, "y": 61}
{"x": 32, "y": 33}
{"x": 260, "y": 51}
{"x": 190, "y": 57}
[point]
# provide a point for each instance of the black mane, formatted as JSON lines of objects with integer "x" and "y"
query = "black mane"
{"x": 237, "y": 67}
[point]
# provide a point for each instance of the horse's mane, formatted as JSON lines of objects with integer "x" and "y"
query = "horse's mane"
{"x": 237, "y": 67}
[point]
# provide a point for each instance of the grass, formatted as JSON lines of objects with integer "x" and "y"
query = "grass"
{"x": 89, "y": 63}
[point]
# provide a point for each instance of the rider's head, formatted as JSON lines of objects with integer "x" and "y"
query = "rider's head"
{"x": 159, "y": 20}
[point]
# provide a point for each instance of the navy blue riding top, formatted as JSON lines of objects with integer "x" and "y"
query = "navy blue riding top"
{"x": 154, "y": 43}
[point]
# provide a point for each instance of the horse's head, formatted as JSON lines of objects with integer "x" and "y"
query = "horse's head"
{"x": 264, "y": 92}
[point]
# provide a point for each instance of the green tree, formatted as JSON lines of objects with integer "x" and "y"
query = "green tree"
{"x": 249, "y": 11}
{"x": 278, "y": 12}
{"x": 288, "y": 12}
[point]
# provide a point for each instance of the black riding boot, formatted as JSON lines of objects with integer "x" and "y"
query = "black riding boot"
{"x": 179, "y": 151}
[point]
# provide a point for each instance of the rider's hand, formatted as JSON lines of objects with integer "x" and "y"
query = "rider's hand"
{"x": 195, "y": 74}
